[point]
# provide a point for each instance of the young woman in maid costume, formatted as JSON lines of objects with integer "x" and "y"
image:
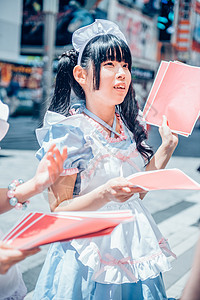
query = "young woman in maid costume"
{"x": 105, "y": 142}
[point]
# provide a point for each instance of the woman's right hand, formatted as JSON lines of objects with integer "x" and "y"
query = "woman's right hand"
{"x": 116, "y": 189}
{"x": 120, "y": 190}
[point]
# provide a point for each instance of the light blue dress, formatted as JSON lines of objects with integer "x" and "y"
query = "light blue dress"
{"x": 125, "y": 265}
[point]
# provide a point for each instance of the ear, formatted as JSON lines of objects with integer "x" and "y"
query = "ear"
{"x": 80, "y": 75}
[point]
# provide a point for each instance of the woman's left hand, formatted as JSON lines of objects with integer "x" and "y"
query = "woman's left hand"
{"x": 169, "y": 138}
{"x": 166, "y": 149}
{"x": 10, "y": 256}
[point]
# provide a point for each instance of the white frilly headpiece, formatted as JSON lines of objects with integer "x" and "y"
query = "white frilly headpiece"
{"x": 83, "y": 35}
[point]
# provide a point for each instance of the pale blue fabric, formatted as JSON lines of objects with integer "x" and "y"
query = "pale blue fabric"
{"x": 100, "y": 121}
{"x": 64, "y": 277}
{"x": 77, "y": 155}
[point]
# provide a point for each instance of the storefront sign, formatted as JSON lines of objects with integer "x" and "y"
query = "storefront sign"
{"x": 139, "y": 30}
{"x": 142, "y": 74}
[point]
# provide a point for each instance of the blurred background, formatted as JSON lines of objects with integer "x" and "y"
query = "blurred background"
{"x": 32, "y": 36}
{"x": 34, "y": 33}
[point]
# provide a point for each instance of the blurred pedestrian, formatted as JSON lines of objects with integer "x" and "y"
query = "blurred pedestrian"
{"x": 12, "y": 93}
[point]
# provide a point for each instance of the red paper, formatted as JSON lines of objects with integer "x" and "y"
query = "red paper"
{"x": 38, "y": 229}
{"x": 175, "y": 94}
{"x": 167, "y": 179}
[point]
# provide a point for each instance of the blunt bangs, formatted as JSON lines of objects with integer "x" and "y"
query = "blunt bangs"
{"x": 103, "y": 48}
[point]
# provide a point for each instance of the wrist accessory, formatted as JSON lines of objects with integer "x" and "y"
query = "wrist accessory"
{"x": 11, "y": 195}
{"x": 83, "y": 35}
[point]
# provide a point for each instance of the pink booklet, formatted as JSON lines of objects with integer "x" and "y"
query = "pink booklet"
{"x": 176, "y": 94}
{"x": 37, "y": 229}
{"x": 166, "y": 179}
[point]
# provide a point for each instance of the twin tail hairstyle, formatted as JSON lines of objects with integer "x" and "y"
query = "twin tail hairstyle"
{"x": 98, "y": 50}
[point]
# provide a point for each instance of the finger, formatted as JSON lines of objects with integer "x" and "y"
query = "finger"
{"x": 142, "y": 195}
{"x": 133, "y": 190}
{"x": 123, "y": 198}
{"x": 126, "y": 189}
{"x": 30, "y": 251}
{"x": 138, "y": 189}
{"x": 124, "y": 193}
{"x": 10, "y": 256}
{"x": 64, "y": 153}
{"x": 53, "y": 169}
{"x": 58, "y": 159}
{"x": 175, "y": 134}
{"x": 52, "y": 161}
{"x": 120, "y": 182}
{"x": 18, "y": 255}
{"x": 13, "y": 256}
{"x": 126, "y": 184}
{"x": 164, "y": 122}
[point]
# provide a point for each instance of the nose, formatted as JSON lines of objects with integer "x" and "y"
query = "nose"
{"x": 120, "y": 73}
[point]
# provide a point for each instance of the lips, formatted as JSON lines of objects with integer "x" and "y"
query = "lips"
{"x": 120, "y": 86}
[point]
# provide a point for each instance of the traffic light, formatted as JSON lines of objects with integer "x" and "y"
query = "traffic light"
{"x": 165, "y": 20}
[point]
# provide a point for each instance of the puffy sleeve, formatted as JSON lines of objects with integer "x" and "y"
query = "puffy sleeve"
{"x": 71, "y": 136}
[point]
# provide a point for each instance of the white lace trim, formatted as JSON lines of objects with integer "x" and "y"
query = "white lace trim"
{"x": 108, "y": 269}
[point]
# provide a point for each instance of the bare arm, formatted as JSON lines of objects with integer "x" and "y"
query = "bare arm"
{"x": 47, "y": 172}
{"x": 164, "y": 152}
{"x": 166, "y": 149}
{"x": 117, "y": 189}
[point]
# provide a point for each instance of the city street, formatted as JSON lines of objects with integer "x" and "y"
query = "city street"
{"x": 176, "y": 212}
{"x": 67, "y": 50}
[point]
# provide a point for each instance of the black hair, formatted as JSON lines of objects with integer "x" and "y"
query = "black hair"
{"x": 99, "y": 49}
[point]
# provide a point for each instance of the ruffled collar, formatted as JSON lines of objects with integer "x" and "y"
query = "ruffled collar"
{"x": 53, "y": 118}
{"x": 79, "y": 108}
{"x": 105, "y": 133}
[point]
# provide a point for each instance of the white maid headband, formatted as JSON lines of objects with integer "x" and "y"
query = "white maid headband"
{"x": 4, "y": 112}
{"x": 83, "y": 35}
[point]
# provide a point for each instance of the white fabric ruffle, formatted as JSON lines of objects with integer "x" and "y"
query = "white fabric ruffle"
{"x": 126, "y": 255}
{"x": 135, "y": 250}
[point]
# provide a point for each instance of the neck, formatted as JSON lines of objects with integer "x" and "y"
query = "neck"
{"x": 107, "y": 115}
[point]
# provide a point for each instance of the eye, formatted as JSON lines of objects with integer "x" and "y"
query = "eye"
{"x": 108, "y": 63}
{"x": 125, "y": 66}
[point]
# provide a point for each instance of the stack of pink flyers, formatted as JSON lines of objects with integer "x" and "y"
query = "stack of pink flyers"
{"x": 36, "y": 229}
{"x": 165, "y": 179}
{"x": 175, "y": 93}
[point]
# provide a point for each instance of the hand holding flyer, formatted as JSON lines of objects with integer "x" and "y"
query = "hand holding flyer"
{"x": 176, "y": 94}
{"x": 38, "y": 229}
